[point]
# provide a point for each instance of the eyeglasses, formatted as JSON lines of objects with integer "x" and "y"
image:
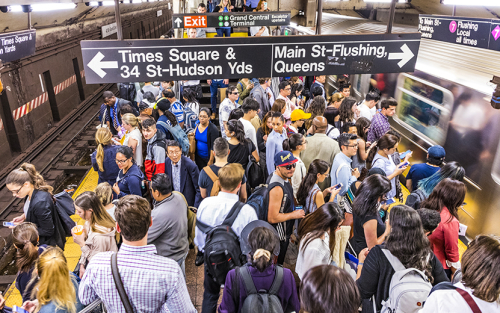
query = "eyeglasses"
{"x": 121, "y": 161}
{"x": 235, "y": 93}
{"x": 288, "y": 88}
{"x": 15, "y": 192}
{"x": 352, "y": 146}
{"x": 289, "y": 167}
{"x": 171, "y": 152}
{"x": 326, "y": 175}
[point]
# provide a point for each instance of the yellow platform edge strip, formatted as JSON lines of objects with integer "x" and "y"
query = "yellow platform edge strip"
{"x": 72, "y": 251}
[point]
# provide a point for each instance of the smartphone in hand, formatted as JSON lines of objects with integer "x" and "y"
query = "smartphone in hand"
{"x": 404, "y": 164}
{"x": 8, "y": 224}
{"x": 403, "y": 155}
{"x": 17, "y": 309}
{"x": 337, "y": 186}
{"x": 388, "y": 201}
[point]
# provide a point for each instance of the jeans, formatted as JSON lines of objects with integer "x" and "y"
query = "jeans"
{"x": 210, "y": 294}
{"x": 182, "y": 264}
{"x": 223, "y": 31}
{"x": 213, "y": 93}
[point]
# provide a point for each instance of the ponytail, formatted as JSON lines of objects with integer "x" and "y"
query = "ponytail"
{"x": 293, "y": 142}
{"x": 262, "y": 242}
{"x": 387, "y": 141}
{"x": 102, "y": 138}
{"x": 27, "y": 173}
{"x": 25, "y": 239}
{"x": 132, "y": 120}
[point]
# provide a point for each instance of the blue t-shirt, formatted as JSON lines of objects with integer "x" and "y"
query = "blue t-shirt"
{"x": 420, "y": 171}
{"x": 202, "y": 143}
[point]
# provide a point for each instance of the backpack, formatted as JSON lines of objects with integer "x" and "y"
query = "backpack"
{"x": 179, "y": 135}
{"x": 222, "y": 246}
{"x": 415, "y": 198}
{"x": 408, "y": 290}
{"x": 261, "y": 301}
{"x": 253, "y": 172}
{"x": 127, "y": 91}
{"x": 259, "y": 199}
{"x": 190, "y": 119}
{"x": 215, "y": 179}
{"x": 65, "y": 208}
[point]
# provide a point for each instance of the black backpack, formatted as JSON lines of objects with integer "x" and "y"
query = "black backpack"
{"x": 261, "y": 301}
{"x": 253, "y": 172}
{"x": 415, "y": 198}
{"x": 127, "y": 91}
{"x": 222, "y": 246}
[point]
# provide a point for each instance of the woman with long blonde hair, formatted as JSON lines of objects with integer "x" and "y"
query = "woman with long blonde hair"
{"x": 57, "y": 289}
{"x": 99, "y": 229}
{"x": 103, "y": 159}
{"x": 133, "y": 137}
{"x": 39, "y": 208}
{"x": 104, "y": 192}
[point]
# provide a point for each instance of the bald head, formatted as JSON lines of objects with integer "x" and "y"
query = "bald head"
{"x": 320, "y": 125}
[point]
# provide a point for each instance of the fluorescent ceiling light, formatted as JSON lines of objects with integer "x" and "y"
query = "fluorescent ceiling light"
{"x": 385, "y": 1}
{"x": 472, "y": 3}
{"x": 103, "y": 3}
{"x": 15, "y": 8}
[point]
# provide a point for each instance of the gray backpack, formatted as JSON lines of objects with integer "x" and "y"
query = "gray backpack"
{"x": 262, "y": 301}
{"x": 408, "y": 290}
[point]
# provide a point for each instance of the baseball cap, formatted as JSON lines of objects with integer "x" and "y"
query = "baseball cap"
{"x": 284, "y": 158}
{"x": 436, "y": 152}
{"x": 245, "y": 247}
{"x": 298, "y": 114}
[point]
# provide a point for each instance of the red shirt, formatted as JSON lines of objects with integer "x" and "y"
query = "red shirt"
{"x": 444, "y": 240}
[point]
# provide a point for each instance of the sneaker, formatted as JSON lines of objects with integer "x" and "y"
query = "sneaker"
{"x": 199, "y": 259}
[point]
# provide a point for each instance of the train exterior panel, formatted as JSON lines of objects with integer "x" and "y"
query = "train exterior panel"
{"x": 446, "y": 101}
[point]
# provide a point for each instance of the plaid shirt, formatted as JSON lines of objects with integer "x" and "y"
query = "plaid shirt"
{"x": 380, "y": 126}
{"x": 153, "y": 283}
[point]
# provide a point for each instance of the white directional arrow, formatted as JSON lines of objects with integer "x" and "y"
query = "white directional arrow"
{"x": 404, "y": 56}
{"x": 178, "y": 21}
{"x": 97, "y": 65}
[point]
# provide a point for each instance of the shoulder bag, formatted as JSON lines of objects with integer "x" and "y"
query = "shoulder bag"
{"x": 119, "y": 284}
{"x": 343, "y": 202}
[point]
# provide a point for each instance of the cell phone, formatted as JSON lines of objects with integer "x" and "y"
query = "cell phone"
{"x": 265, "y": 5}
{"x": 404, "y": 164}
{"x": 403, "y": 155}
{"x": 337, "y": 186}
{"x": 298, "y": 207}
{"x": 8, "y": 224}
{"x": 17, "y": 309}
{"x": 388, "y": 201}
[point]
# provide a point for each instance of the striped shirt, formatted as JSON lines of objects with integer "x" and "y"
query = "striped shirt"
{"x": 153, "y": 283}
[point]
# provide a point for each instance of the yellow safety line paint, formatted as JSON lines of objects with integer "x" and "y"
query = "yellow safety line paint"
{"x": 72, "y": 251}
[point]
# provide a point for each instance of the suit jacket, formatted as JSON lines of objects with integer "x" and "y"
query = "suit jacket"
{"x": 189, "y": 180}
{"x": 260, "y": 95}
{"x": 120, "y": 104}
{"x": 42, "y": 212}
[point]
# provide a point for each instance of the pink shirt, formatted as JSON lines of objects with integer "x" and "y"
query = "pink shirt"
{"x": 444, "y": 240}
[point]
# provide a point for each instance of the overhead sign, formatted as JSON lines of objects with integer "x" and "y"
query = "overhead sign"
{"x": 472, "y": 32}
{"x": 231, "y": 19}
{"x": 17, "y": 45}
{"x": 109, "y": 30}
{"x": 235, "y": 57}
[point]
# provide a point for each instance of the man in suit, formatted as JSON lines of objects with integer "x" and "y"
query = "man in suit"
{"x": 183, "y": 172}
{"x": 259, "y": 93}
{"x": 112, "y": 114}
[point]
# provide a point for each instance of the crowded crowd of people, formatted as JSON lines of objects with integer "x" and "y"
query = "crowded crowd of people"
{"x": 240, "y": 183}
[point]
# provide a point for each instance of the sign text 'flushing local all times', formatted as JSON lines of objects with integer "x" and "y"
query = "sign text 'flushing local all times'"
{"x": 151, "y": 60}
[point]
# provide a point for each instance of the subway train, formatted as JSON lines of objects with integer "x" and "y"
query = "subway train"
{"x": 446, "y": 101}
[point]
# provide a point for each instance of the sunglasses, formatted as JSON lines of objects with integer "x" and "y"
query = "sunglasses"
{"x": 289, "y": 167}
{"x": 235, "y": 93}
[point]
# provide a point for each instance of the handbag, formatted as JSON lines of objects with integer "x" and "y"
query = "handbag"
{"x": 344, "y": 204}
{"x": 103, "y": 121}
{"x": 253, "y": 172}
{"x": 119, "y": 284}
{"x": 192, "y": 143}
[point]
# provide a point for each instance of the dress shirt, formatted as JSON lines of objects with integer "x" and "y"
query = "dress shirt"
{"x": 213, "y": 210}
{"x": 345, "y": 176}
{"x": 274, "y": 145}
{"x": 380, "y": 125}
{"x": 153, "y": 283}
{"x": 176, "y": 173}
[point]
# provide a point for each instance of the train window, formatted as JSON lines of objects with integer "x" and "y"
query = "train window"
{"x": 424, "y": 107}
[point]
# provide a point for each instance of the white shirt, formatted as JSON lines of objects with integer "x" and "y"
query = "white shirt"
{"x": 298, "y": 175}
{"x": 332, "y": 132}
{"x": 225, "y": 109}
{"x": 289, "y": 106}
{"x": 26, "y": 207}
{"x": 135, "y": 134}
{"x": 255, "y": 29}
{"x": 450, "y": 301}
{"x": 194, "y": 106}
{"x": 365, "y": 111}
{"x": 250, "y": 132}
{"x": 213, "y": 210}
{"x": 316, "y": 253}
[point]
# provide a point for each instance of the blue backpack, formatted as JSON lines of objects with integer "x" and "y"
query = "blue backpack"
{"x": 259, "y": 199}
{"x": 190, "y": 119}
{"x": 179, "y": 135}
